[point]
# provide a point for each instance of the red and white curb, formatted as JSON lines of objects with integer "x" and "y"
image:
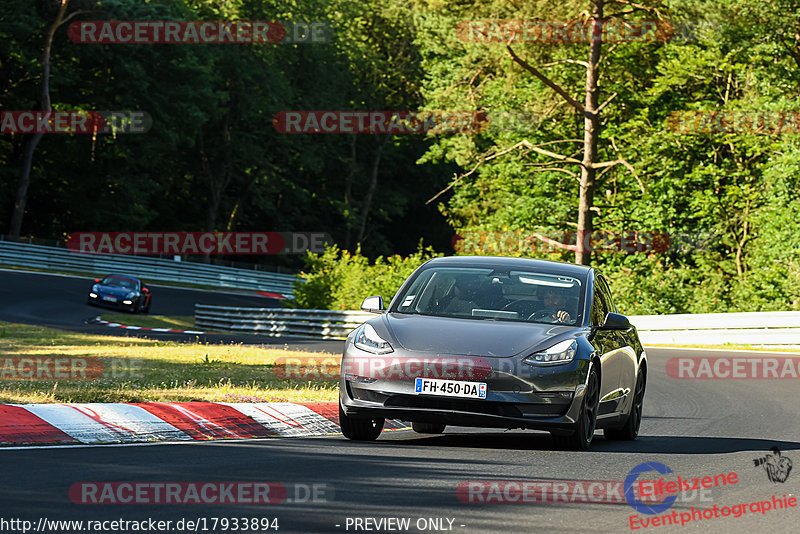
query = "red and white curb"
{"x": 98, "y": 320}
{"x": 97, "y": 423}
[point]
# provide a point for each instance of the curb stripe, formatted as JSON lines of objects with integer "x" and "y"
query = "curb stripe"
{"x": 206, "y": 420}
{"x": 18, "y": 425}
{"x": 98, "y": 320}
{"x": 287, "y": 419}
{"x": 119, "y": 423}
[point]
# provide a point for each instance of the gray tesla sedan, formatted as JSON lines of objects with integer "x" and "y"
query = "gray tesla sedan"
{"x": 496, "y": 342}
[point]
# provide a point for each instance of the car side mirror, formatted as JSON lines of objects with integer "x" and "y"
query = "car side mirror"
{"x": 615, "y": 321}
{"x": 373, "y": 304}
{"x": 96, "y": 280}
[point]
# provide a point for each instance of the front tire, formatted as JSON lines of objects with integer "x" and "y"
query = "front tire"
{"x": 581, "y": 438}
{"x": 360, "y": 429}
{"x": 630, "y": 430}
{"x": 427, "y": 428}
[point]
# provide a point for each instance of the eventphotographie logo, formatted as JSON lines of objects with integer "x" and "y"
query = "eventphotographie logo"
{"x": 631, "y": 482}
{"x": 777, "y": 467}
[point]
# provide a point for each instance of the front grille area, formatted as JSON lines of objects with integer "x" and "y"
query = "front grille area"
{"x": 413, "y": 401}
{"x": 366, "y": 394}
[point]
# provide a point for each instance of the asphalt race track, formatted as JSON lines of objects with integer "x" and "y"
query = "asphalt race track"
{"x": 59, "y": 301}
{"x": 697, "y": 428}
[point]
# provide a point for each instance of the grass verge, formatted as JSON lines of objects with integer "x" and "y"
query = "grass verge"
{"x": 143, "y": 370}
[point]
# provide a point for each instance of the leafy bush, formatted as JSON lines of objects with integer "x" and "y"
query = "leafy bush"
{"x": 339, "y": 280}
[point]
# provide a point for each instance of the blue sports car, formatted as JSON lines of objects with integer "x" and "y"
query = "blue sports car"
{"x": 123, "y": 292}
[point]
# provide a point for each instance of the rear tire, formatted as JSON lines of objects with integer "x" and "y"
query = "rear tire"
{"x": 428, "y": 428}
{"x": 630, "y": 430}
{"x": 360, "y": 429}
{"x": 587, "y": 419}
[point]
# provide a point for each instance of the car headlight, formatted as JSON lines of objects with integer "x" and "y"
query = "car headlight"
{"x": 562, "y": 352}
{"x": 93, "y": 295}
{"x": 367, "y": 339}
{"x": 95, "y": 288}
{"x": 130, "y": 295}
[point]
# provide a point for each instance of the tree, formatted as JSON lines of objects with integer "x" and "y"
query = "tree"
{"x": 61, "y": 18}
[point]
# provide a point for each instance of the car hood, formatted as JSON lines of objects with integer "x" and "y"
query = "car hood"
{"x": 469, "y": 337}
{"x": 117, "y": 291}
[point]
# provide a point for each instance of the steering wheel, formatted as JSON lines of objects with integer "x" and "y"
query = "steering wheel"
{"x": 507, "y": 306}
{"x": 542, "y": 314}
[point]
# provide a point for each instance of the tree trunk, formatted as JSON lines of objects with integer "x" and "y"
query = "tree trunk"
{"x": 348, "y": 188}
{"x": 25, "y": 178}
{"x": 373, "y": 183}
{"x": 591, "y": 133}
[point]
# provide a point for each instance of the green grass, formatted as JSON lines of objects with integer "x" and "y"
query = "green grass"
{"x": 143, "y": 370}
{"x": 176, "y": 322}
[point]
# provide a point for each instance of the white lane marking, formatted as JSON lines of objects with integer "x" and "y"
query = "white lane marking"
{"x": 190, "y": 332}
{"x": 133, "y": 327}
{"x": 286, "y": 418}
{"x": 159, "y": 329}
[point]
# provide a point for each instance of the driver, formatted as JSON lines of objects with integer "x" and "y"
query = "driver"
{"x": 554, "y": 303}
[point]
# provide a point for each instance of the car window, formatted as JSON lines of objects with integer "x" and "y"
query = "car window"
{"x": 487, "y": 293}
{"x": 599, "y": 305}
{"x": 120, "y": 282}
{"x": 605, "y": 294}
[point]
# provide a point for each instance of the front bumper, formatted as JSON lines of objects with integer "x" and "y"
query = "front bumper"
{"x": 518, "y": 395}
{"x": 119, "y": 304}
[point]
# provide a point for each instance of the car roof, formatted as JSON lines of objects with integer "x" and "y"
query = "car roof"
{"x": 542, "y": 266}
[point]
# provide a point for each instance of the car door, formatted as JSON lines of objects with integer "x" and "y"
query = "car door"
{"x": 626, "y": 354}
{"x": 608, "y": 347}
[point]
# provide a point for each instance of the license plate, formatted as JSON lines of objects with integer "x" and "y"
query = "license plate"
{"x": 109, "y": 299}
{"x": 450, "y": 388}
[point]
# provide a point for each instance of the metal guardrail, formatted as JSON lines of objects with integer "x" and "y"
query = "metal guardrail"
{"x": 151, "y": 269}
{"x": 277, "y": 322}
{"x": 748, "y": 328}
{"x": 767, "y": 328}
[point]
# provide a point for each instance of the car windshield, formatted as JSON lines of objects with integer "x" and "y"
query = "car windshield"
{"x": 119, "y": 282}
{"x": 485, "y": 293}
